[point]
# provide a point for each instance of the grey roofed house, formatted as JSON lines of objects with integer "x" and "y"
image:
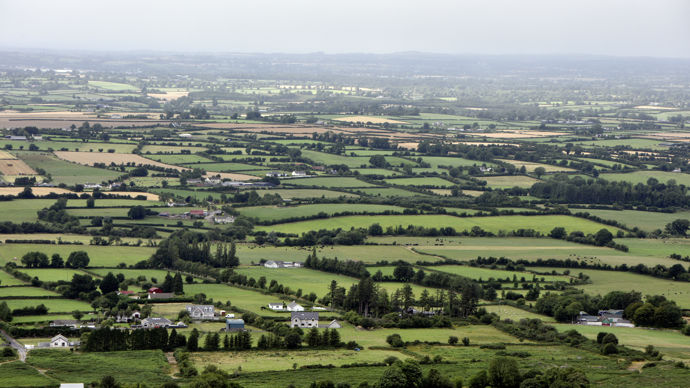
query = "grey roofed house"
{"x": 64, "y": 323}
{"x": 611, "y": 313}
{"x": 584, "y": 317}
{"x": 161, "y": 295}
{"x": 201, "y": 311}
{"x": 152, "y": 322}
{"x": 304, "y": 319}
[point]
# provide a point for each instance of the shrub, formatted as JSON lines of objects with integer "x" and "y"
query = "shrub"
{"x": 452, "y": 340}
{"x": 609, "y": 348}
{"x": 395, "y": 341}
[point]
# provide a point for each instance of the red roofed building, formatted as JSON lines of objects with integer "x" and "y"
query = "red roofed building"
{"x": 197, "y": 213}
{"x": 155, "y": 290}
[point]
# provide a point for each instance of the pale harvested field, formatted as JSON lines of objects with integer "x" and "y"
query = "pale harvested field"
{"x": 368, "y": 119}
{"x": 6, "y": 122}
{"x": 231, "y": 176}
{"x": 168, "y": 96}
{"x": 653, "y": 107}
{"x": 91, "y": 158}
{"x": 258, "y": 128}
{"x": 409, "y": 146}
{"x": 519, "y": 134}
{"x": 477, "y": 143}
{"x": 133, "y": 194}
{"x": 473, "y": 193}
{"x": 15, "y": 167}
{"x": 4, "y": 155}
{"x": 36, "y": 190}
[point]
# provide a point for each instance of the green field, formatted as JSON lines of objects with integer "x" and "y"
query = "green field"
{"x": 66, "y": 172}
{"x": 643, "y": 176}
{"x": 514, "y": 313}
{"x": 9, "y": 280}
{"x": 306, "y": 193}
{"x": 647, "y": 221}
{"x": 101, "y": 256}
{"x": 388, "y": 192}
{"x": 543, "y": 224}
{"x": 17, "y": 374}
{"x": 430, "y": 181}
{"x": 127, "y": 367}
{"x": 327, "y": 182}
{"x": 531, "y": 166}
{"x": 25, "y": 291}
{"x": 114, "y": 86}
{"x": 671, "y": 343}
{"x": 249, "y": 254}
{"x": 178, "y": 158}
{"x": 330, "y": 159}
{"x": 158, "y": 274}
{"x": 53, "y": 305}
{"x": 436, "y": 161}
{"x": 509, "y": 181}
{"x": 246, "y": 299}
{"x": 264, "y": 213}
{"x": 487, "y": 273}
{"x": 604, "y": 282}
{"x": 51, "y": 274}
{"x": 376, "y": 171}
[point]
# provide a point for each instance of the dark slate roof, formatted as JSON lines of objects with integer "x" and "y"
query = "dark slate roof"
{"x": 304, "y": 315}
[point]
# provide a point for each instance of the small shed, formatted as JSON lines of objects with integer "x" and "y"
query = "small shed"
{"x": 234, "y": 324}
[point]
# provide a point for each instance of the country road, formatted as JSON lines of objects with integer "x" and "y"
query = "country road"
{"x": 21, "y": 350}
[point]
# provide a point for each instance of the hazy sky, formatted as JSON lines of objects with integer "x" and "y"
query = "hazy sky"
{"x": 610, "y": 27}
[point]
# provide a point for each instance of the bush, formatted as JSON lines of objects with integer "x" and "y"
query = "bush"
{"x": 452, "y": 340}
{"x": 609, "y": 338}
{"x": 395, "y": 341}
{"x": 609, "y": 348}
{"x": 466, "y": 341}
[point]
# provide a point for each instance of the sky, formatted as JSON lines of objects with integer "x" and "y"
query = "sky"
{"x": 654, "y": 28}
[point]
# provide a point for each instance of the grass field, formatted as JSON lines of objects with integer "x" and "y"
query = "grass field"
{"x": 51, "y": 274}
{"x": 66, "y": 172}
{"x": 376, "y": 171}
{"x": 647, "y": 221}
{"x": 306, "y": 193}
{"x": 53, "y": 305}
{"x": 430, "y": 181}
{"x": 9, "y": 280}
{"x": 246, "y": 299}
{"x": 388, "y": 192}
{"x": 114, "y": 86}
{"x": 509, "y": 181}
{"x": 127, "y": 366}
{"x": 531, "y": 166}
{"x": 178, "y": 158}
{"x": 436, "y": 161}
{"x": 487, "y": 273}
{"x": 643, "y": 176}
{"x": 369, "y": 254}
{"x": 327, "y": 182}
{"x": 514, "y": 313}
{"x": 606, "y": 281}
{"x": 17, "y": 374}
{"x": 273, "y": 360}
{"x": 330, "y": 159}
{"x": 264, "y": 213}
{"x": 543, "y": 224}
{"x": 671, "y": 343}
{"x": 25, "y": 291}
{"x": 101, "y": 256}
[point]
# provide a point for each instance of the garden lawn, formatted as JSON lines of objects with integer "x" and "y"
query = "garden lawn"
{"x": 542, "y": 224}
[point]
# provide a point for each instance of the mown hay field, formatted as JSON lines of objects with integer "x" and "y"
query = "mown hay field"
{"x": 265, "y": 213}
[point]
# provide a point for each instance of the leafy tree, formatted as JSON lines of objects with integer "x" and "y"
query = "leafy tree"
{"x": 481, "y": 379}
{"x": 678, "y": 227}
{"x": 109, "y": 382}
{"x": 539, "y": 171}
{"x": 293, "y": 340}
{"x": 504, "y": 373}
{"x": 603, "y": 237}
{"x": 403, "y": 272}
{"x": 56, "y": 261}
{"x": 77, "y": 314}
{"x": 395, "y": 340}
{"x": 35, "y": 260}
{"x": 5, "y": 312}
{"x": 78, "y": 259}
{"x": 434, "y": 379}
{"x": 90, "y": 203}
{"x": 452, "y": 340}
{"x": 558, "y": 233}
{"x": 109, "y": 283}
{"x": 393, "y": 377}
{"x": 137, "y": 212}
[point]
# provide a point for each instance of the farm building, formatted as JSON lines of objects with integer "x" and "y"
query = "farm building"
{"x": 198, "y": 311}
{"x": 282, "y": 264}
{"x": 234, "y": 324}
{"x": 304, "y": 319}
{"x": 277, "y": 306}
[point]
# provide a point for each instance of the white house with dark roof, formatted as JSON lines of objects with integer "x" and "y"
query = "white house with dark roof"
{"x": 304, "y": 319}
{"x": 201, "y": 311}
{"x": 153, "y": 322}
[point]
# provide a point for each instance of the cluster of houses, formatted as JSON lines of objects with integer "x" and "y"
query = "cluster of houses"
{"x": 292, "y": 306}
{"x": 213, "y": 182}
{"x": 604, "y": 318}
{"x": 282, "y": 264}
